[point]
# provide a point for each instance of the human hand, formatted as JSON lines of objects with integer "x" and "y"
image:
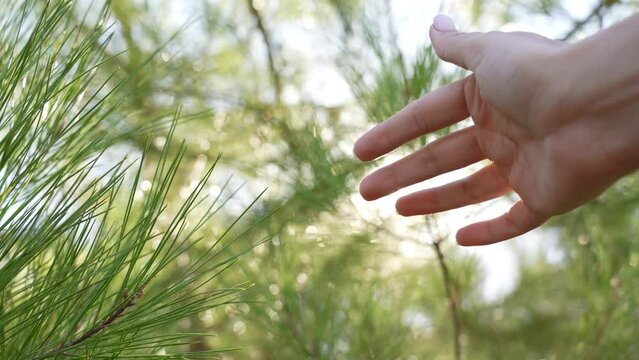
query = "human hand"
{"x": 555, "y": 150}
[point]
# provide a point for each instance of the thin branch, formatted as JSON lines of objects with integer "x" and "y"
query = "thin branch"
{"x": 399, "y": 55}
{"x": 450, "y": 295}
{"x": 129, "y": 300}
{"x": 595, "y": 13}
{"x": 297, "y": 333}
{"x": 604, "y": 323}
{"x": 270, "y": 50}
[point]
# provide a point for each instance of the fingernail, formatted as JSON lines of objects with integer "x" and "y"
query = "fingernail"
{"x": 443, "y": 23}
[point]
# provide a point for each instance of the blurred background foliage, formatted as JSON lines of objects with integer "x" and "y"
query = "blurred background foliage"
{"x": 282, "y": 88}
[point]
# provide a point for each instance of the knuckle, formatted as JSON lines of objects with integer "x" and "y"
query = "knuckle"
{"x": 467, "y": 189}
{"x": 429, "y": 161}
{"x": 391, "y": 173}
{"x": 417, "y": 118}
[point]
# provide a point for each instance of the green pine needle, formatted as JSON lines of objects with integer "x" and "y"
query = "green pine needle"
{"x": 82, "y": 257}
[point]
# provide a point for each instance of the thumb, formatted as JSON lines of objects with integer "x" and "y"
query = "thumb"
{"x": 462, "y": 49}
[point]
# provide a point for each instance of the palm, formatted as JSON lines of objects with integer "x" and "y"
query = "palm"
{"x": 515, "y": 150}
{"x": 546, "y": 160}
{"x": 492, "y": 138}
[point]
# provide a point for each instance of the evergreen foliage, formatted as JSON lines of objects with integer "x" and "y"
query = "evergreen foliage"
{"x": 81, "y": 253}
{"x": 124, "y": 235}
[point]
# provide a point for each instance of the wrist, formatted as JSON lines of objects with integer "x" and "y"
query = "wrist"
{"x": 602, "y": 71}
{"x": 596, "y": 83}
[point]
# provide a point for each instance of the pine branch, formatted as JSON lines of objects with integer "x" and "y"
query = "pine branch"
{"x": 595, "y": 13}
{"x": 450, "y": 295}
{"x": 270, "y": 49}
{"x": 129, "y": 301}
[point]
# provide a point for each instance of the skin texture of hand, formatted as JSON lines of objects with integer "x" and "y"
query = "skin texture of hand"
{"x": 553, "y": 139}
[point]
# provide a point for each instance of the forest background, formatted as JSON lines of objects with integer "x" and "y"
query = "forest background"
{"x": 176, "y": 180}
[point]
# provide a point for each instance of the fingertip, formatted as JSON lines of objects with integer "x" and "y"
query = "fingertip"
{"x": 437, "y": 42}
{"x": 453, "y": 46}
{"x": 443, "y": 23}
{"x": 433, "y": 33}
{"x": 464, "y": 238}
{"x": 362, "y": 151}
{"x": 357, "y": 151}
{"x": 410, "y": 205}
{"x": 367, "y": 196}
{"x": 367, "y": 190}
{"x": 402, "y": 207}
{"x": 474, "y": 235}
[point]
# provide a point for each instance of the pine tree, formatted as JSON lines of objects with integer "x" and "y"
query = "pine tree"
{"x": 124, "y": 235}
{"x": 85, "y": 240}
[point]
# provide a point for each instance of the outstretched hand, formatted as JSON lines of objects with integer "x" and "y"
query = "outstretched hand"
{"x": 544, "y": 145}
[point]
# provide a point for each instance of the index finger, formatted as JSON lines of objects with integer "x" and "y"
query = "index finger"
{"x": 436, "y": 110}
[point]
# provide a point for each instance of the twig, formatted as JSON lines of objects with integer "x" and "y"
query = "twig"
{"x": 399, "y": 56}
{"x": 270, "y": 50}
{"x": 450, "y": 295}
{"x": 595, "y": 13}
{"x": 600, "y": 332}
{"x": 129, "y": 300}
{"x": 297, "y": 334}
